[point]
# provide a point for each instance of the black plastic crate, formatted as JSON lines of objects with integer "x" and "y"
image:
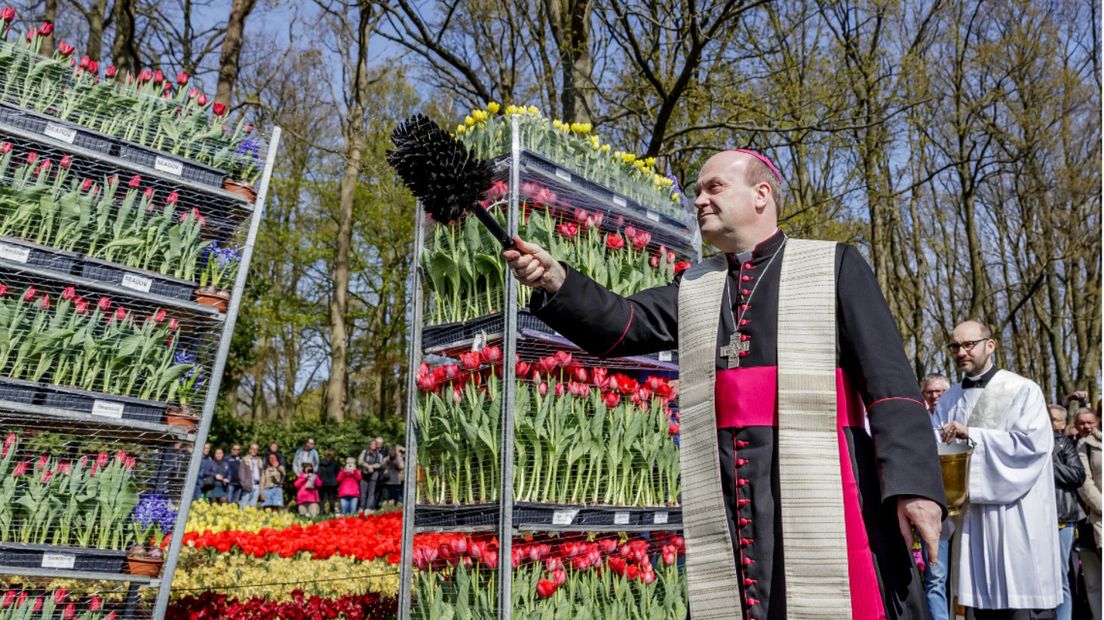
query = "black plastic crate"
{"x": 120, "y": 407}
{"x": 172, "y": 165}
{"x": 56, "y": 129}
{"x": 62, "y": 558}
{"x": 137, "y": 279}
{"x": 18, "y": 391}
{"x": 29, "y": 253}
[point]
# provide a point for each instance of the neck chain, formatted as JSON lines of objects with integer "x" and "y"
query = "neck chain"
{"x": 747, "y": 302}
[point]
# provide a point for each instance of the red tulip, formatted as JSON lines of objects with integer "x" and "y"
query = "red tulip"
{"x": 70, "y": 612}
{"x": 546, "y": 588}
{"x": 611, "y": 399}
{"x": 44, "y": 302}
{"x": 38, "y": 600}
{"x": 148, "y": 193}
{"x": 120, "y": 313}
{"x": 83, "y": 64}
{"x": 522, "y": 369}
{"x": 579, "y": 374}
{"x": 87, "y": 185}
{"x": 20, "y": 469}
{"x": 69, "y": 293}
{"x": 81, "y": 306}
{"x": 111, "y": 71}
{"x": 9, "y": 596}
{"x": 457, "y": 394}
{"x": 8, "y": 441}
{"x": 681, "y": 266}
{"x": 218, "y": 108}
{"x": 563, "y": 358}
{"x": 5, "y": 148}
{"x": 65, "y": 49}
{"x": 135, "y": 182}
{"x": 470, "y": 360}
{"x": 101, "y": 458}
{"x": 543, "y": 388}
{"x": 59, "y": 595}
{"x": 648, "y": 577}
{"x": 32, "y": 157}
{"x": 567, "y": 229}
{"x": 3, "y": 290}
{"x": 673, "y": 429}
{"x": 653, "y": 261}
{"x": 491, "y": 355}
{"x": 95, "y": 604}
{"x": 201, "y": 99}
{"x": 173, "y": 325}
{"x": 7, "y": 14}
{"x": 104, "y": 304}
{"x": 559, "y": 576}
{"x": 670, "y": 557}
{"x": 111, "y": 616}
{"x": 160, "y": 315}
{"x": 641, "y": 240}
{"x": 158, "y": 77}
{"x": 172, "y": 198}
{"x": 182, "y": 78}
{"x": 632, "y": 572}
{"x": 93, "y": 66}
{"x": 615, "y": 241}
{"x": 46, "y": 475}
{"x": 46, "y": 29}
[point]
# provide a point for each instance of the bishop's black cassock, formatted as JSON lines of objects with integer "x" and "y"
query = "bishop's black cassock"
{"x": 875, "y": 387}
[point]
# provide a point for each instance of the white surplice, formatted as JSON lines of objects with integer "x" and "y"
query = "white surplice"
{"x": 1008, "y": 558}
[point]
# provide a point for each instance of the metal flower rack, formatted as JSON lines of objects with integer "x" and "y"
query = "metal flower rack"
{"x": 110, "y": 354}
{"x": 541, "y": 481}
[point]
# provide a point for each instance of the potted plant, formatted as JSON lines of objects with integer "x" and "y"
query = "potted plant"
{"x": 219, "y": 269}
{"x": 188, "y": 385}
{"x": 153, "y": 517}
{"x": 247, "y": 163}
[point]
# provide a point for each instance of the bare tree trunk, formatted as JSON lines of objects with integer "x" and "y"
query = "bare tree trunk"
{"x": 337, "y": 387}
{"x": 124, "y": 48}
{"x": 231, "y": 49}
{"x": 95, "y": 16}
{"x": 569, "y": 21}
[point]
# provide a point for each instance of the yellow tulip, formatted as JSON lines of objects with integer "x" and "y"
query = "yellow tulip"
{"x": 493, "y": 107}
{"x": 650, "y": 162}
{"x": 460, "y": 128}
{"x": 469, "y": 121}
{"x": 511, "y": 109}
{"x": 605, "y": 148}
{"x": 534, "y": 111}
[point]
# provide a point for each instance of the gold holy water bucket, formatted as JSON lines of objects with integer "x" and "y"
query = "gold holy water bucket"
{"x": 954, "y": 463}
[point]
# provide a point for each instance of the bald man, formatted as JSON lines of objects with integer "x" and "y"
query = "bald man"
{"x": 754, "y": 449}
{"x": 1008, "y": 561}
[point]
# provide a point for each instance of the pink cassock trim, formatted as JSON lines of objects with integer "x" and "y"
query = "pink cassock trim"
{"x": 749, "y": 397}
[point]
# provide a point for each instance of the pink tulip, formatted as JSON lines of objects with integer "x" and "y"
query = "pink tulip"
{"x": 111, "y": 71}
{"x": 46, "y": 29}
{"x": 7, "y": 14}
{"x": 65, "y": 49}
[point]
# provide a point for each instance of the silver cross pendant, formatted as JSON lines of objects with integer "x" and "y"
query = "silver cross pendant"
{"x": 734, "y": 349}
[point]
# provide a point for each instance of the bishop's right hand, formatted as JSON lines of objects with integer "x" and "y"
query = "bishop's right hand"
{"x": 534, "y": 266}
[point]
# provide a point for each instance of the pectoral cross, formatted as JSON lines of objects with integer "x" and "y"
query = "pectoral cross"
{"x": 734, "y": 349}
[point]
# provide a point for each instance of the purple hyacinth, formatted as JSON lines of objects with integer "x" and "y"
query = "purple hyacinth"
{"x": 155, "y": 509}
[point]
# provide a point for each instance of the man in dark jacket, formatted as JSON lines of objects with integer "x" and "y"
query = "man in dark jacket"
{"x": 1069, "y": 475}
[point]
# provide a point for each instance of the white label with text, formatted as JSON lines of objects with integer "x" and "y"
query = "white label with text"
{"x": 619, "y": 201}
{"x": 653, "y": 216}
{"x": 665, "y": 356}
{"x": 660, "y": 518}
{"x": 564, "y": 517}
{"x": 620, "y": 518}
{"x": 107, "y": 409}
{"x": 15, "y": 253}
{"x": 63, "y": 561}
{"x": 136, "y": 282}
{"x": 563, "y": 174}
{"x": 59, "y": 132}
{"x": 171, "y": 166}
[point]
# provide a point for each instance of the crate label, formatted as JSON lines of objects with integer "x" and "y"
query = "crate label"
{"x": 479, "y": 342}
{"x": 564, "y": 517}
{"x": 64, "y": 561}
{"x": 107, "y": 409}
{"x": 563, "y": 174}
{"x": 171, "y": 166}
{"x": 619, "y": 201}
{"x": 665, "y": 356}
{"x": 652, "y": 215}
{"x": 60, "y": 132}
{"x": 660, "y": 518}
{"x": 620, "y": 518}
{"x": 15, "y": 253}
{"x": 136, "y": 282}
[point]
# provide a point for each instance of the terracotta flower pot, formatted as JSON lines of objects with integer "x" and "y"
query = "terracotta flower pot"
{"x": 144, "y": 566}
{"x": 241, "y": 188}
{"x": 219, "y": 300}
{"x": 182, "y": 417}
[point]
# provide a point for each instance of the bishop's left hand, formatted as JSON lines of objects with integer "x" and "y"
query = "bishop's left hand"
{"x": 927, "y": 517}
{"x": 955, "y": 430}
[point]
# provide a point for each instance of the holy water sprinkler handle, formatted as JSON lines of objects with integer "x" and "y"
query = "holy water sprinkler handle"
{"x": 496, "y": 229}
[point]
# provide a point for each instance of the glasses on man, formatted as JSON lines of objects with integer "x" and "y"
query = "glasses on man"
{"x": 955, "y": 347}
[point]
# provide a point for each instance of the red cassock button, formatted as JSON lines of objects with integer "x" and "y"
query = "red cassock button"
{"x": 750, "y": 582}
{"x": 746, "y": 291}
{"x": 744, "y": 321}
{"x": 752, "y": 602}
{"x": 740, "y": 443}
{"x": 745, "y": 353}
{"x": 742, "y": 502}
{"x": 741, "y": 482}
{"x": 745, "y": 278}
{"x": 742, "y": 462}
{"x": 745, "y": 542}
{"x": 745, "y": 522}
{"x": 744, "y": 337}
{"x": 748, "y": 561}
{"x": 749, "y": 266}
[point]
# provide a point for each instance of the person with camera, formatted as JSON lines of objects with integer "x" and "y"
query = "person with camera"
{"x": 370, "y": 462}
{"x": 328, "y": 469}
{"x": 348, "y": 486}
{"x": 393, "y": 465}
{"x": 272, "y": 483}
{"x": 307, "y": 485}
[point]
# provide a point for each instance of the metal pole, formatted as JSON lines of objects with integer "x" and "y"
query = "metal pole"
{"x": 177, "y": 539}
{"x": 509, "y": 337}
{"x": 410, "y": 477}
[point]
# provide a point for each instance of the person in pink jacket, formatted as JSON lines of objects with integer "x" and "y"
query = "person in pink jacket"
{"x": 306, "y": 497}
{"x": 348, "y": 487}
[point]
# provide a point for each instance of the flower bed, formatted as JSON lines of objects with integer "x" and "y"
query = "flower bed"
{"x": 583, "y": 435}
{"x": 300, "y": 607}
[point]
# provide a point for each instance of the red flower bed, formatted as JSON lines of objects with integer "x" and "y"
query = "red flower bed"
{"x": 213, "y": 605}
{"x": 362, "y": 537}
